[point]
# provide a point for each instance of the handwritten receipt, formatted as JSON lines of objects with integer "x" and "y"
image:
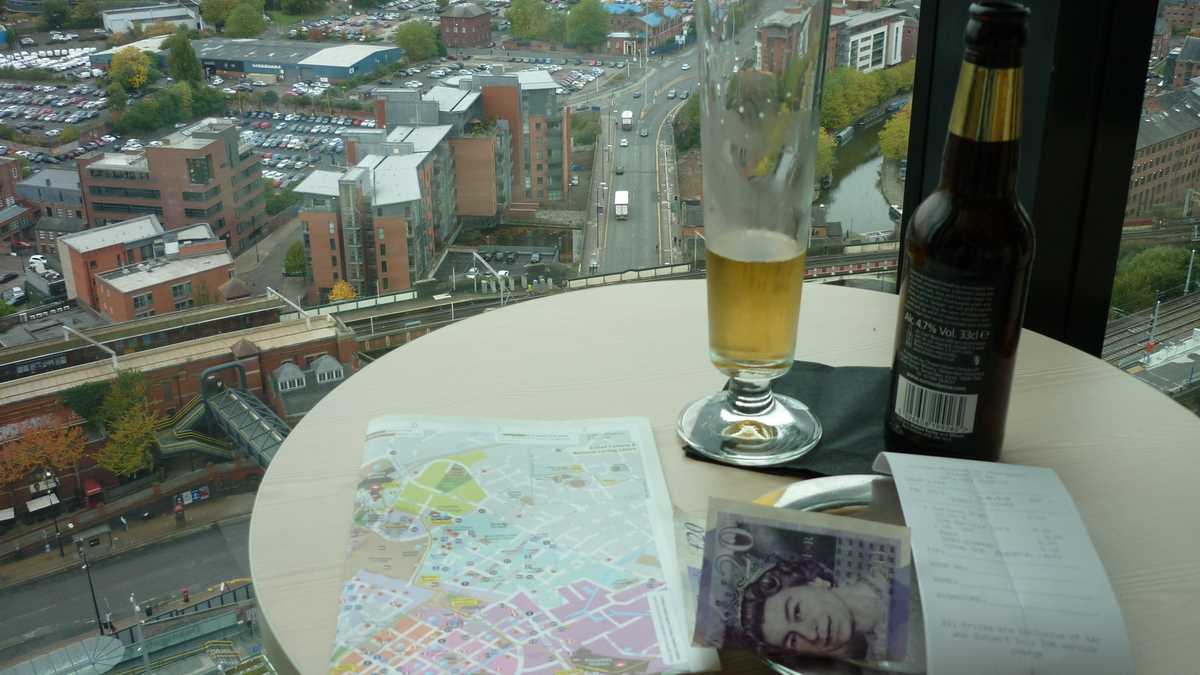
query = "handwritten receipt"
{"x": 1009, "y": 579}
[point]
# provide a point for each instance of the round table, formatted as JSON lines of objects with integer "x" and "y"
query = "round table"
{"x": 1123, "y": 450}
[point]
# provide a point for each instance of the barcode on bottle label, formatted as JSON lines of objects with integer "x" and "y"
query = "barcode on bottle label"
{"x": 925, "y": 407}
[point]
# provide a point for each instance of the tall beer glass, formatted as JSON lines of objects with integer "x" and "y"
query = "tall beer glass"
{"x": 761, "y": 67}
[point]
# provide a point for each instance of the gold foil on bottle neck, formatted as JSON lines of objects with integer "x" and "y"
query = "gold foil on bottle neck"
{"x": 987, "y": 104}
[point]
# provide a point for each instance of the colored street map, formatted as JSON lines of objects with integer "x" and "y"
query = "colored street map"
{"x": 494, "y": 546}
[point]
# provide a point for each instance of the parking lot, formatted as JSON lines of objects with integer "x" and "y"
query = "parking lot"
{"x": 572, "y": 74}
{"x": 507, "y": 260}
{"x": 44, "y": 110}
{"x": 291, "y": 143}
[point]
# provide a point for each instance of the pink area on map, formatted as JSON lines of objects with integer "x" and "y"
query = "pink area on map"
{"x": 505, "y": 664}
{"x": 537, "y": 656}
{"x": 626, "y": 612}
{"x": 586, "y": 628}
{"x": 523, "y": 604}
{"x": 581, "y": 597}
{"x": 454, "y": 640}
{"x": 637, "y": 637}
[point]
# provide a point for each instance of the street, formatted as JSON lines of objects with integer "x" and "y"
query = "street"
{"x": 643, "y": 240}
{"x": 52, "y": 610}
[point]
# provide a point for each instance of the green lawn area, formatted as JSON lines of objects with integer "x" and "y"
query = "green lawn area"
{"x": 283, "y": 19}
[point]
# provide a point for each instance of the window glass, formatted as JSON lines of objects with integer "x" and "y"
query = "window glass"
{"x": 1154, "y": 316}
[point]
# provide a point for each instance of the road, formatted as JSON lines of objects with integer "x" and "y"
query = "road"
{"x": 638, "y": 242}
{"x": 58, "y": 608}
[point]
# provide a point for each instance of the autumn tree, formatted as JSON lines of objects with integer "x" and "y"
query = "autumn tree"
{"x": 129, "y": 443}
{"x": 418, "y": 40}
{"x": 529, "y": 18}
{"x": 130, "y": 68}
{"x": 826, "y": 159}
{"x": 587, "y": 25}
{"x": 893, "y": 137}
{"x": 181, "y": 58}
{"x": 215, "y": 12}
{"x": 342, "y": 290}
{"x": 846, "y": 96}
{"x": 15, "y": 463}
{"x": 125, "y": 393}
{"x": 56, "y": 443}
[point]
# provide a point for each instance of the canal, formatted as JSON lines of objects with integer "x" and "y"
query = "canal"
{"x": 854, "y": 199}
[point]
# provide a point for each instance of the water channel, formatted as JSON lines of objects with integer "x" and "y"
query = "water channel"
{"x": 855, "y": 200}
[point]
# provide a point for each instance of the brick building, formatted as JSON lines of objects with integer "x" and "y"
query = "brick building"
{"x": 466, "y": 25}
{"x": 1187, "y": 63}
{"x": 641, "y": 28}
{"x": 15, "y": 218}
{"x": 908, "y": 39}
{"x": 164, "y": 285}
{"x": 199, "y": 175}
{"x": 49, "y": 228}
{"x": 1166, "y": 161}
{"x": 782, "y": 35}
{"x": 1181, "y": 15}
{"x": 865, "y": 40}
{"x": 92, "y": 252}
{"x": 53, "y": 192}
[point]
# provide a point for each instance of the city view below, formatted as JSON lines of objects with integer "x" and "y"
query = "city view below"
{"x": 216, "y": 213}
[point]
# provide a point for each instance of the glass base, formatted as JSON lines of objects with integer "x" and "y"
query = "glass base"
{"x": 785, "y": 431}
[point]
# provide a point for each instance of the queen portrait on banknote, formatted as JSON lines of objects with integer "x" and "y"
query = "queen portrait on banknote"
{"x": 782, "y": 587}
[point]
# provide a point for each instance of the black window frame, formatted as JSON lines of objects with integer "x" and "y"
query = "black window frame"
{"x": 1085, "y": 74}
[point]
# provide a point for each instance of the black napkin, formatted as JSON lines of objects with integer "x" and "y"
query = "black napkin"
{"x": 849, "y": 402}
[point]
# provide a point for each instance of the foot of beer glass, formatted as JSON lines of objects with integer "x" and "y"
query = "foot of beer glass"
{"x": 749, "y": 425}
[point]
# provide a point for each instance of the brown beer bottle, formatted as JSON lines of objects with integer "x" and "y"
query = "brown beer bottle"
{"x": 967, "y": 258}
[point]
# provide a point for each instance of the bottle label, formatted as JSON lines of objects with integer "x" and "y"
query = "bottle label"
{"x": 944, "y": 354}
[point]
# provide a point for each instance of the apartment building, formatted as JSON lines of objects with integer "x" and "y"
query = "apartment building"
{"x": 15, "y": 218}
{"x": 865, "y": 40}
{"x": 48, "y": 229}
{"x": 53, "y": 192}
{"x": 1186, "y": 62}
{"x": 1182, "y": 15}
{"x": 92, "y": 252}
{"x": 1166, "y": 161}
{"x": 640, "y": 28}
{"x": 540, "y": 132}
{"x": 782, "y": 35}
{"x": 199, "y": 175}
{"x": 466, "y": 25}
{"x": 171, "y": 283}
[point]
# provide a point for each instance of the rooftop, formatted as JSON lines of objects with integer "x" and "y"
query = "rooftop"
{"x": 622, "y": 8}
{"x": 173, "y": 6}
{"x": 395, "y": 177}
{"x": 344, "y": 55}
{"x": 153, "y": 44}
{"x": 319, "y": 182}
{"x": 120, "y": 161}
{"x": 135, "y": 229}
{"x": 785, "y": 18}
{"x": 268, "y": 51}
{"x": 467, "y": 10}
{"x": 451, "y": 99}
{"x": 160, "y": 270}
{"x": 1173, "y": 113}
{"x": 423, "y": 139}
{"x": 535, "y": 79}
{"x": 57, "y": 178}
{"x": 1190, "y": 50}
{"x": 12, "y": 211}
{"x": 186, "y": 138}
{"x": 857, "y": 18}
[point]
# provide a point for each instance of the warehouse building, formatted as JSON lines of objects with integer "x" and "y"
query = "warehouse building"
{"x": 127, "y": 18}
{"x": 291, "y": 59}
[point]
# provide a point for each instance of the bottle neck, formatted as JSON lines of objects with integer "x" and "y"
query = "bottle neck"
{"x": 985, "y": 129}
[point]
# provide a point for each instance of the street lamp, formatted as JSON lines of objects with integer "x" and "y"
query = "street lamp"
{"x": 91, "y": 586}
{"x": 49, "y": 475}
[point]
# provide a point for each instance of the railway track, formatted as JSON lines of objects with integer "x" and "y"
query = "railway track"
{"x": 1127, "y": 336}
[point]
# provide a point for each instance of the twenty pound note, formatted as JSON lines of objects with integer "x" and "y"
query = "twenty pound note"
{"x": 794, "y": 582}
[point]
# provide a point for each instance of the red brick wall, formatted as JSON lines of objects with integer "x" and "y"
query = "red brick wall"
{"x": 1162, "y": 173}
{"x": 324, "y": 272}
{"x": 908, "y": 40}
{"x": 10, "y": 175}
{"x": 392, "y": 249}
{"x": 475, "y": 175}
{"x": 505, "y": 103}
{"x": 463, "y": 32}
{"x": 119, "y": 306}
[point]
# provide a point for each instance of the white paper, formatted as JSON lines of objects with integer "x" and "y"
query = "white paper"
{"x": 1009, "y": 579}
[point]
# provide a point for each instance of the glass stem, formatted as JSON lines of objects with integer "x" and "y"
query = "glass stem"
{"x": 750, "y": 397}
